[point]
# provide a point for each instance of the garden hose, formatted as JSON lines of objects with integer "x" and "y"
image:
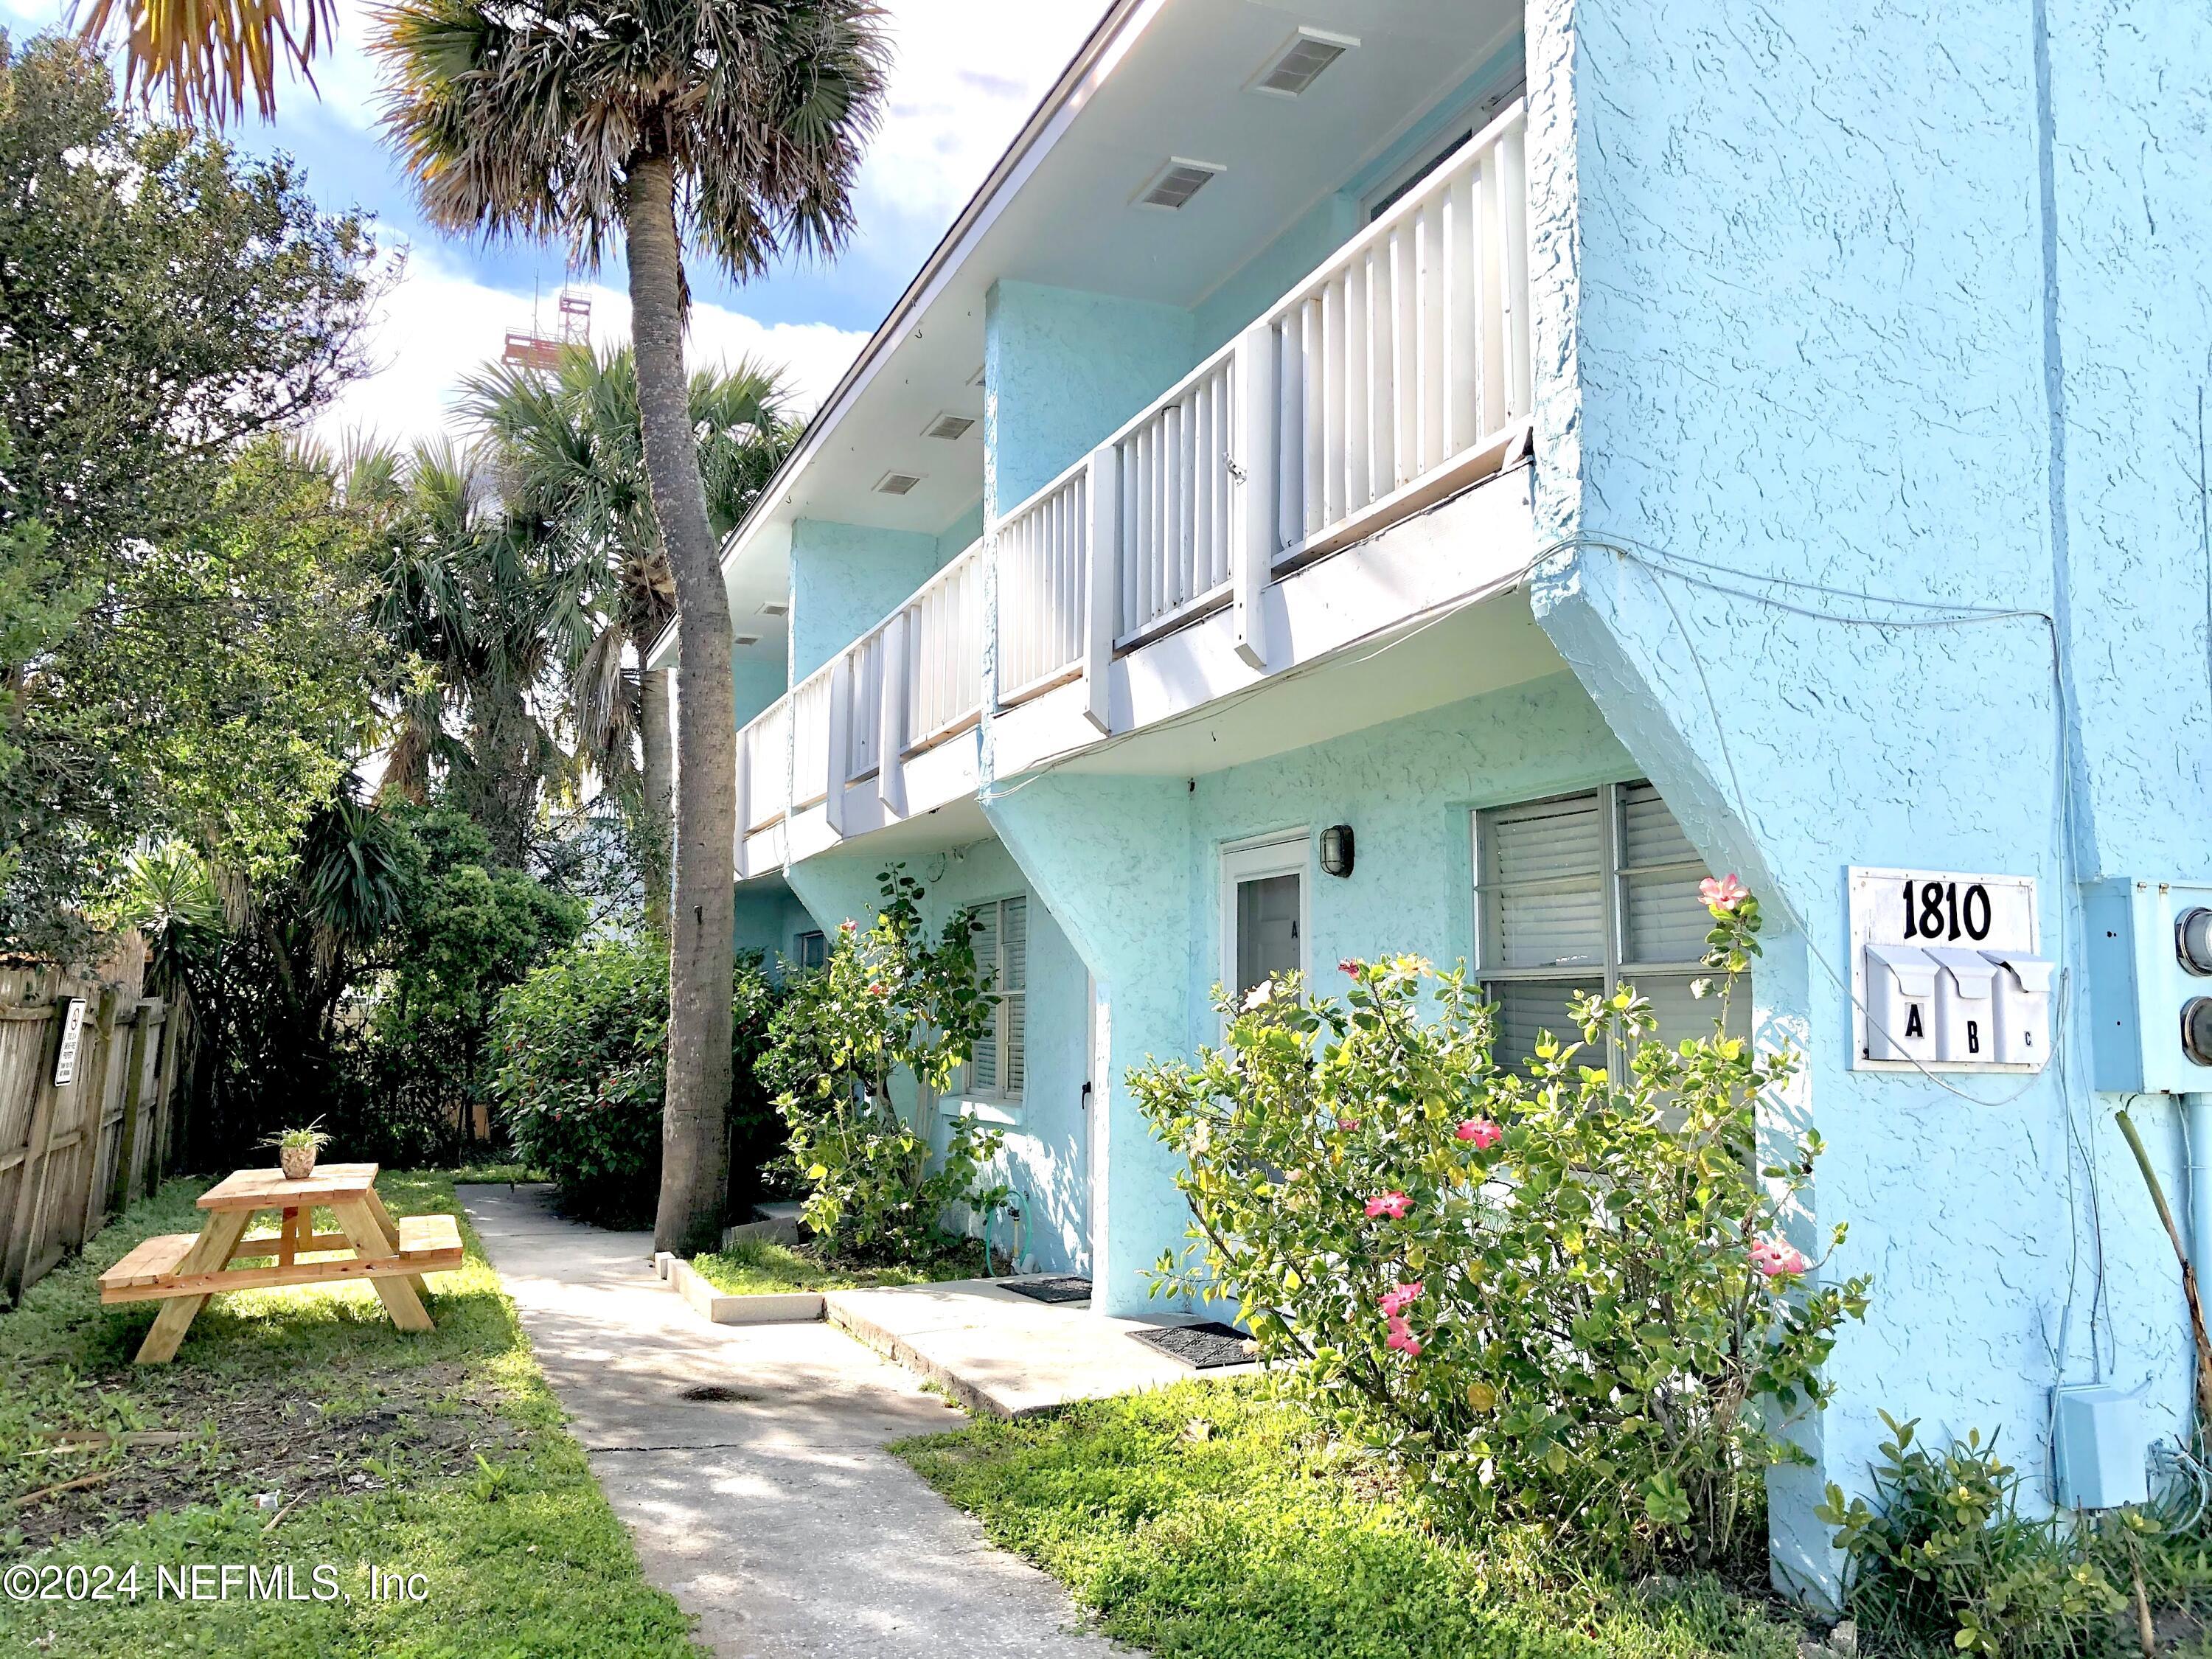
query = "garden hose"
{"x": 1019, "y": 1210}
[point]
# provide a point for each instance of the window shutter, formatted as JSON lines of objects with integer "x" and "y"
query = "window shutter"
{"x": 983, "y": 1063}
{"x": 1013, "y": 1009}
{"x": 1545, "y": 868}
{"x": 1663, "y": 917}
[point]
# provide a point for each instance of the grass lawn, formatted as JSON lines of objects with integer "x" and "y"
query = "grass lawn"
{"x": 1205, "y": 1521}
{"x": 758, "y": 1269}
{"x": 441, "y": 1455}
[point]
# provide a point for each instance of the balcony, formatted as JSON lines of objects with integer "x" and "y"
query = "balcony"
{"x": 1169, "y": 566}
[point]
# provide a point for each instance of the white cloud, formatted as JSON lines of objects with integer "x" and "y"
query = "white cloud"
{"x": 437, "y": 325}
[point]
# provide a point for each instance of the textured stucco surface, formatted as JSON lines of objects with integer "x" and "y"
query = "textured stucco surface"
{"x": 1046, "y": 1149}
{"x": 1061, "y": 370}
{"x": 845, "y": 579}
{"x": 769, "y": 918}
{"x": 1790, "y": 316}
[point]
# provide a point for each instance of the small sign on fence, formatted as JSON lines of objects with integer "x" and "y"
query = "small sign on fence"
{"x": 72, "y": 1034}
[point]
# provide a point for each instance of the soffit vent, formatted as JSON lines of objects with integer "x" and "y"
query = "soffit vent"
{"x": 1299, "y": 63}
{"x": 949, "y": 427}
{"x": 776, "y": 608}
{"x": 748, "y": 638}
{"x": 896, "y": 484}
{"x": 1172, "y": 188}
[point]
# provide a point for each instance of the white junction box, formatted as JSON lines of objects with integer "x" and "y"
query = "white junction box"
{"x": 2103, "y": 1450}
{"x": 1946, "y": 974}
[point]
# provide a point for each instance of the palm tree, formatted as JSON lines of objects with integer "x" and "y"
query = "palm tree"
{"x": 571, "y": 449}
{"x": 487, "y": 597}
{"x": 733, "y": 124}
{"x": 209, "y": 54}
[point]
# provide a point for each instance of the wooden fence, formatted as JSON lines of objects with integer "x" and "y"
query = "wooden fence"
{"x": 72, "y": 1156}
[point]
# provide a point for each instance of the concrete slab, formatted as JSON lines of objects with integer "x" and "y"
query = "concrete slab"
{"x": 1007, "y": 1354}
{"x": 748, "y": 1463}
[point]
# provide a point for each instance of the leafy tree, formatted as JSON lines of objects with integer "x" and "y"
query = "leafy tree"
{"x": 571, "y": 451}
{"x": 736, "y": 126}
{"x": 181, "y": 655}
{"x": 892, "y": 1002}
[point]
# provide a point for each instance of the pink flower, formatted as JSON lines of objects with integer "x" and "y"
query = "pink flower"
{"x": 1347, "y": 1124}
{"x": 1402, "y": 1339}
{"x": 1774, "y": 1259}
{"x": 1394, "y": 1303}
{"x": 849, "y": 925}
{"x": 876, "y": 988}
{"x": 1722, "y": 894}
{"x": 1350, "y": 965}
{"x": 1482, "y": 1132}
{"x": 1393, "y": 1205}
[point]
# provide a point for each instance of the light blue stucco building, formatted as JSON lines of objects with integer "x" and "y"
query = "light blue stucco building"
{"x": 1576, "y": 447}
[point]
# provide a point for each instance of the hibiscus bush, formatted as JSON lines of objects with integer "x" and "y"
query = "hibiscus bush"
{"x": 1559, "y": 1295}
{"x": 894, "y": 1000}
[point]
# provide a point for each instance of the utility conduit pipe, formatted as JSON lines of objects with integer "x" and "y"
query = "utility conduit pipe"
{"x": 2196, "y": 1120}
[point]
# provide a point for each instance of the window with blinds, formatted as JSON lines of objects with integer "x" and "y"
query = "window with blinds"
{"x": 1586, "y": 892}
{"x": 813, "y": 949}
{"x": 999, "y": 1066}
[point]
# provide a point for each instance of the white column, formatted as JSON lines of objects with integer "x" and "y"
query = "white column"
{"x": 1102, "y": 584}
{"x": 1253, "y": 534}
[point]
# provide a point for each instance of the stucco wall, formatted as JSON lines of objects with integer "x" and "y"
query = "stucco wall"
{"x": 1061, "y": 370}
{"x": 1790, "y": 308}
{"x": 1132, "y": 867}
{"x": 847, "y": 578}
{"x": 769, "y": 919}
{"x": 1045, "y": 1155}
{"x": 760, "y": 675}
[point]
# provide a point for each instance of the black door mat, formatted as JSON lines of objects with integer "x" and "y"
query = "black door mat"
{"x": 1061, "y": 1288}
{"x": 1203, "y": 1348}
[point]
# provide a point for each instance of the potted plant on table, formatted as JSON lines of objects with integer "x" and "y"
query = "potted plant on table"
{"x": 296, "y": 1150}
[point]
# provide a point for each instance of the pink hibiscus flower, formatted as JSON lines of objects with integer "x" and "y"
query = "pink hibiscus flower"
{"x": 1774, "y": 1259}
{"x": 1350, "y": 965}
{"x": 1722, "y": 894}
{"x": 1393, "y": 1205}
{"x": 849, "y": 925}
{"x": 1402, "y": 1339}
{"x": 1482, "y": 1132}
{"x": 1394, "y": 1303}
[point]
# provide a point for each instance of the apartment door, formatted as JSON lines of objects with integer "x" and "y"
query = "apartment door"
{"x": 1264, "y": 921}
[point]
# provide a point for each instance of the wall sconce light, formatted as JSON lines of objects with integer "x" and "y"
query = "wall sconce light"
{"x": 1336, "y": 849}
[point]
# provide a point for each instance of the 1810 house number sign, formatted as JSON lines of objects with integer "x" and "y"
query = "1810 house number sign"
{"x": 1958, "y": 920}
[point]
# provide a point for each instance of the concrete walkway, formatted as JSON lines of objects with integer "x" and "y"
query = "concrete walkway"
{"x": 773, "y": 1514}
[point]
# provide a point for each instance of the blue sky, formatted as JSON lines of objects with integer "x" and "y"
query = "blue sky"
{"x": 967, "y": 73}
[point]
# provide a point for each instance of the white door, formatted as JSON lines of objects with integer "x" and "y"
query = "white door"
{"x": 1264, "y": 921}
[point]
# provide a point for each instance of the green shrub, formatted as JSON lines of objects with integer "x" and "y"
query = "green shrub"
{"x": 1943, "y": 1554}
{"x": 887, "y": 1001}
{"x": 582, "y": 1048}
{"x": 1551, "y": 1297}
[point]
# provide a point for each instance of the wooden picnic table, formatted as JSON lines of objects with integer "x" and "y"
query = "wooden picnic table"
{"x": 185, "y": 1269}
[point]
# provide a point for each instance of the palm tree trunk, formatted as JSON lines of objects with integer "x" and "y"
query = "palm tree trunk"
{"x": 694, "y": 1132}
{"x": 654, "y": 824}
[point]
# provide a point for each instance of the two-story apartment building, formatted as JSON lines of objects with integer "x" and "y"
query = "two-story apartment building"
{"x": 1444, "y": 476}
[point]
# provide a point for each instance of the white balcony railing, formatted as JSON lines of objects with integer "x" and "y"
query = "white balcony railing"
{"x": 764, "y": 766}
{"x": 1393, "y": 374}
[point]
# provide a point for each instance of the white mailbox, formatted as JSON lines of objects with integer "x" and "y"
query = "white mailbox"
{"x": 2023, "y": 1007}
{"x": 1965, "y": 1005}
{"x": 1900, "y": 981}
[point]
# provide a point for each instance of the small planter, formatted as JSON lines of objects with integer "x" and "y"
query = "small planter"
{"x": 298, "y": 1162}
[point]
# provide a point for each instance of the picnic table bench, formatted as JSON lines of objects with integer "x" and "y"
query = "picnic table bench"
{"x": 183, "y": 1269}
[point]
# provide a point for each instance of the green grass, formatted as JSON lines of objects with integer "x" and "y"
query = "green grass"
{"x": 758, "y": 1269}
{"x": 1208, "y": 1522}
{"x": 484, "y": 1173}
{"x": 441, "y": 1454}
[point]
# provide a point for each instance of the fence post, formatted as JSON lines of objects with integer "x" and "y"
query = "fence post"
{"x": 134, "y": 1089}
{"x": 31, "y": 1188}
{"x": 1252, "y": 544}
{"x": 88, "y": 1200}
{"x": 1102, "y": 589}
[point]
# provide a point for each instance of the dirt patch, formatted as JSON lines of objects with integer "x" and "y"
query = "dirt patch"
{"x": 394, "y": 1429}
